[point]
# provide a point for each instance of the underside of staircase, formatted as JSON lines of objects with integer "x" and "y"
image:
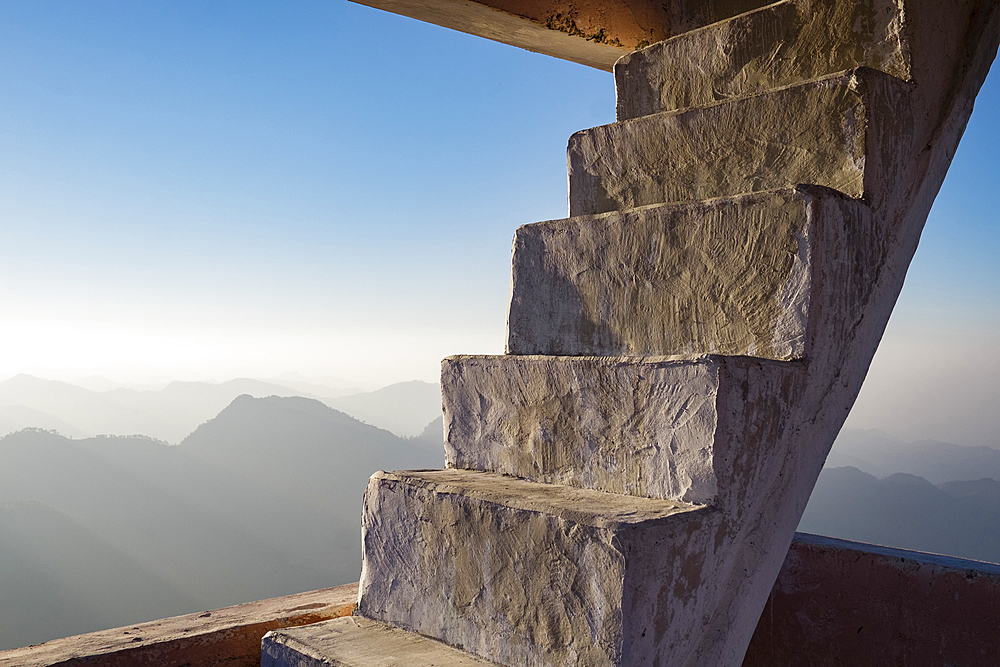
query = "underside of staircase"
{"x": 622, "y": 486}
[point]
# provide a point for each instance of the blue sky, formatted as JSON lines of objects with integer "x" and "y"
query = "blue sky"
{"x": 212, "y": 189}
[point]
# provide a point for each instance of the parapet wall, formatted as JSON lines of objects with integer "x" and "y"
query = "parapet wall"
{"x": 845, "y": 603}
{"x": 834, "y": 603}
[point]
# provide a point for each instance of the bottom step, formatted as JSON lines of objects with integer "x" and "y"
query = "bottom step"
{"x": 358, "y": 642}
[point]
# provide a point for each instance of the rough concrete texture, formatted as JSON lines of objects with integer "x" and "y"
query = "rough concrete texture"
{"x": 842, "y": 132}
{"x": 864, "y": 133}
{"x": 640, "y": 426}
{"x": 229, "y": 636}
{"x": 842, "y": 603}
{"x": 737, "y": 275}
{"x": 358, "y": 642}
{"x": 532, "y": 574}
{"x": 775, "y": 46}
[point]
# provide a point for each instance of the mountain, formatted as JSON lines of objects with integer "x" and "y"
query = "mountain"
{"x": 403, "y": 408}
{"x": 880, "y": 454}
{"x": 60, "y": 578}
{"x": 18, "y": 417}
{"x": 958, "y": 518}
{"x": 321, "y": 456}
{"x": 262, "y": 500}
{"x": 167, "y": 414}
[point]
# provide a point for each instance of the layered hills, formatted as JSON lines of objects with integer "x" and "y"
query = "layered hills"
{"x": 263, "y": 497}
{"x": 263, "y": 500}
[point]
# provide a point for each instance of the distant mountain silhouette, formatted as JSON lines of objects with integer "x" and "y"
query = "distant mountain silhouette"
{"x": 168, "y": 414}
{"x": 433, "y": 435}
{"x": 263, "y": 500}
{"x": 958, "y": 518}
{"x": 173, "y": 412}
{"x": 320, "y": 455}
{"x": 18, "y": 417}
{"x": 403, "y": 408}
{"x": 880, "y": 454}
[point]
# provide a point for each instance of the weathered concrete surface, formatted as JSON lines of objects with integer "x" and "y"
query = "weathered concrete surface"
{"x": 640, "y": 426}
{"x": 534, "y": 574}
{"x": 358, "y": 642}
{"x": 590, "y": 32}
{"x": 758, "y": 275}
{"x": 843, "y": 603}
{"x": 865, "y": 133}
{"x": 772, "y": 47}
{"x": 229, "y": 636}
{"x": 845, "y": 132}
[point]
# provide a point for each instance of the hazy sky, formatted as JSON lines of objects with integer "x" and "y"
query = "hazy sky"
{"x": 212, "y": 189}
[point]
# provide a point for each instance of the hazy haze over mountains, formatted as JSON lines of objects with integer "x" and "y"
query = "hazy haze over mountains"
{"x": 171, "y": 413}
{"x": 881, "y": 455}
{"x": 958, "y": 518}
{"x": 262, "y": 497}
{"x": 263, "y": 500}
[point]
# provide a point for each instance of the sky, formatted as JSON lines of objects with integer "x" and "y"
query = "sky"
{"x": 208, "y": 190}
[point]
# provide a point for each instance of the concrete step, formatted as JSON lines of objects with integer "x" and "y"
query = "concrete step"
{"x": 775, "y": 46}
{"x": 522, "y": 573}
{"x": 686, "y": 430}
{"x": 769, "y": 274}
{"x": 358, "y": 642}
{"x": 850, "y": 132}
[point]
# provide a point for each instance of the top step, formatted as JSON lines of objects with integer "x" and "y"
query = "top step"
{"x": 771, "y": 47}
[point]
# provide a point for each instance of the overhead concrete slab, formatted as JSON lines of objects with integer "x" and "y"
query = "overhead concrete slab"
{"x": 590, "y": 32}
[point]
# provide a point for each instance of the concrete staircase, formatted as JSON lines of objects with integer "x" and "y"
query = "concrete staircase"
{"x": 623, "y": 484}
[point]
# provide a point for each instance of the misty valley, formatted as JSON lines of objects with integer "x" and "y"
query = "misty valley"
{"x": 262, "y": 497}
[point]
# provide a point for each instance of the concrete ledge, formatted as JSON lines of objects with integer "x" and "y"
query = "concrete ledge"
{"x": 229, "y": 636}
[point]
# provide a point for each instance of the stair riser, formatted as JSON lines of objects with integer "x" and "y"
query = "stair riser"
{"x": 693, "y": 431}
{"x": 729, "y": 276}
{"x": 848, "y": 133}
{"x": 628, "y": 426}
{"x": 761, "y": 275}
{"x": 769, "y": 48}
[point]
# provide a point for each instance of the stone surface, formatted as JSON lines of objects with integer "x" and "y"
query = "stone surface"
{"x": 775, "y": 46}
{"x": 229, "y": 636}
{"x": 533, "y": 574}
{"x": 844, "y": 132}
{"x": 640, "y": 426}
{"x": 739, "y": 275}
{"x": 358, "y": 642}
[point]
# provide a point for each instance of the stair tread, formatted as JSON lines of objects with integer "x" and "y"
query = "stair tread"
{"x": 359, "y": 642}
{"x": 584, "y": 506}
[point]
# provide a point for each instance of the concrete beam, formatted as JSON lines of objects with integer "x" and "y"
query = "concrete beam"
{"x": 590, "y": 32}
